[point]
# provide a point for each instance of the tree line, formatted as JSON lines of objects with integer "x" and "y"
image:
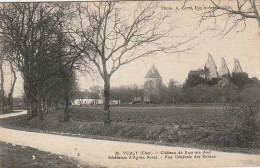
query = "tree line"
{"x": 194, "y": 90}
{"x": 223, "y": 90}
{"x": 34, "y": 42}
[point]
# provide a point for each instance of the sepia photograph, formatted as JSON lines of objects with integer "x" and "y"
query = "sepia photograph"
{"x": 129, "y": 84}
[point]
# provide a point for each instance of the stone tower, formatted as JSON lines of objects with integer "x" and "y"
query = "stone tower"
{"x": 223, "y": 68}
{"x": 237, "y": 66}
{"x": 211, "y": 68}
{"x": 153, "y": 81}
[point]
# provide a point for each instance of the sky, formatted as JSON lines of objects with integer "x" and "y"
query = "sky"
{"x": 241, "y": 45}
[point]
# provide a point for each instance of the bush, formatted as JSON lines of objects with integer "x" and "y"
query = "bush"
{"x": 248, "y": 127}
{"x": 194, "y": 80}
{"x": 245, "y": 107}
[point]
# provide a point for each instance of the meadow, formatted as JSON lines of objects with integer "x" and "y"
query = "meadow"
{"x": 203, "y": 126}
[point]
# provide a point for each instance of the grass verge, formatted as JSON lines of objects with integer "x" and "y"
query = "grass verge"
{"x": 12, "y": 156}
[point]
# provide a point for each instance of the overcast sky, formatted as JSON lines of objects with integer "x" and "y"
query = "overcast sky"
{"x": 243, "y": 45}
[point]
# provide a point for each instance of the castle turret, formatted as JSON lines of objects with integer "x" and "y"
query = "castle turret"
{"x": 237, "y": 66}
{"x": 153, "y": 81}
{"x": 223, "y": 68}
{"x": 211, "y": 68}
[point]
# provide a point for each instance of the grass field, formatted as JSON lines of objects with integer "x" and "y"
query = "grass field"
{"x": 168, "y": 116}
{"x": 24, "y": 157}
{"x": 194, "y": 126}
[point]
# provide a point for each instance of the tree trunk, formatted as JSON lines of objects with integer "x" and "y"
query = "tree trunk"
{"x": 2, "y": 87}
{"x": 66, "y": 99}
{"x": 10, "y": 96}
{"x": 33, "y": 107}
{"x": 30, "y": 93}
{"x": 10, "y": 102}
{"x": 106, "y": 118}
{"x": 66, "y": 109}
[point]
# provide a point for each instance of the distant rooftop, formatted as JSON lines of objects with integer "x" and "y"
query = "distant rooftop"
{"x": 153, "y": 73}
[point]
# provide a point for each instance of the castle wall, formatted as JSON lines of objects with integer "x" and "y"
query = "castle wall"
{"x": 223, "y": 68}
{"x": 237, "y": 66}
{"x": 211, "y": 68}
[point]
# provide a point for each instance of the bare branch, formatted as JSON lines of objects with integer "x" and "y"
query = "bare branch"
{"x": 237, "y": 13}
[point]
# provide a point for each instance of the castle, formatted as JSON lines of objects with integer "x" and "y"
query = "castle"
{"x": 153, "y": 79}
{"x": 210, "y": 70}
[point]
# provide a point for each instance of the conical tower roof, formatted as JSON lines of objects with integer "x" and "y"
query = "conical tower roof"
{"x": 212, "y": 68}
{"x": 237, "y": 66}
{"x": 223, "y": 68}
{"x": 153, "y": 73}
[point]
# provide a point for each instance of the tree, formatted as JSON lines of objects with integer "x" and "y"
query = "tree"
{"x": 123, "y": 94}
{"x": 13, "y": 81}
{"x": 238, "y": 12}
{"x": 138, "y": 94}
{"x": 68, "y": 57}
{"x": 127, "y": 94}
{"x": 6, "y": 102}
{"x": 240, "y": 79}
{"x": 253, "y": 81}
{"x": 109, "y": 38}
{"x": 194, "y": 80}
{"x": 80, "y": 94}
{"x": 42, "y": 51}
{"x": 27, "y": 28}
{"x": 95, "y": 93}
{"x": 174, "y": 93}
